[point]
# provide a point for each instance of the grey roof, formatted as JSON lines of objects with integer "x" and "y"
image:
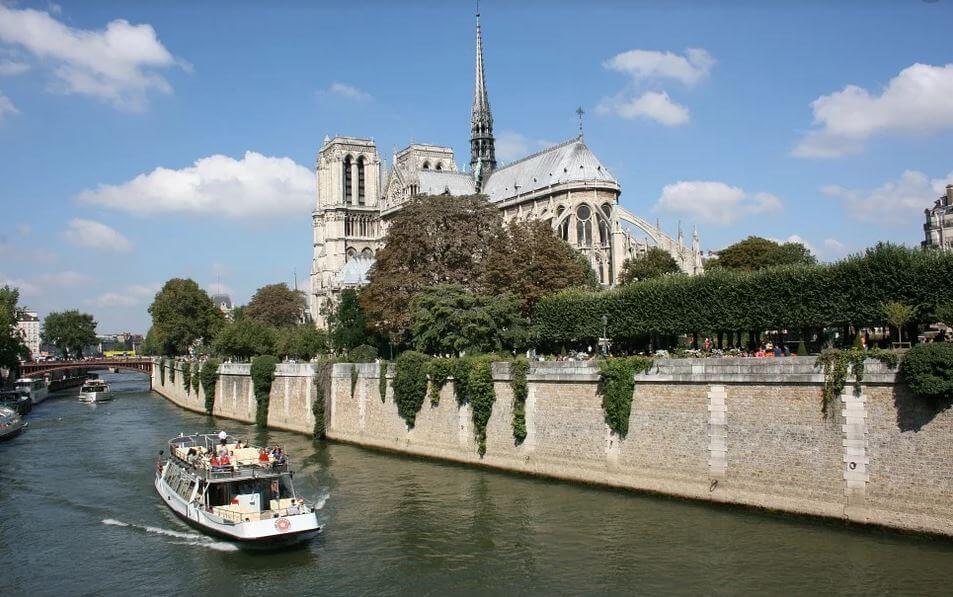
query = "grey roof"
{"x": 438, "y": 182}
{"x": 571, "y": 161}
{"x": 220, "y": 299}
{"x": 354, "y": 272}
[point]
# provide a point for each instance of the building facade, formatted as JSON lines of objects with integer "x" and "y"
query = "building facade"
{"x": 938, "y": 228}
{"x": 28, "y": 326}
{"x": 565, "y": 185}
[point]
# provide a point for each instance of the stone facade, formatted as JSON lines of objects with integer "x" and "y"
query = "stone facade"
{"x": 741, "y": 431}
{"x": 938, "y": 228}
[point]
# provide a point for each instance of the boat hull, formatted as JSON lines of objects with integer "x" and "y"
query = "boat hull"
{"x": 90, "y": 397}
{"x": 12, "y": 432}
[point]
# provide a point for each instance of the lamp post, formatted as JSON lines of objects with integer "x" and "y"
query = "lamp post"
{"x": 604, "y": 341}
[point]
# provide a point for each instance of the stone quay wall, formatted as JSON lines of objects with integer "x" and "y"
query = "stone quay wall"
{"x": 742, "y": 431}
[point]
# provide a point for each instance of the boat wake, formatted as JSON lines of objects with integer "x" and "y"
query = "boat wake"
{"x": 321, "y": 501}
{"x": 193, "y": 539}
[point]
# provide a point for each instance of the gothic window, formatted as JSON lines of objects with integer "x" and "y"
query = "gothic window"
{"x": 607, "y": 209}
{"x": 360, "y": 180}
{"x": 602, "y": 273}
{"x": 426, "y": 166}
{"x": 583, "y": 226}
{"x": 350, "y": 254}
{"x": 367, "y": 254}
{"x": 347, "y": 179}
{"x": 603, "y": 231}
{"x": 439, "y": 166}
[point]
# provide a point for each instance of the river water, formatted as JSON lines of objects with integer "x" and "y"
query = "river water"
{"x": 79, "y": 516}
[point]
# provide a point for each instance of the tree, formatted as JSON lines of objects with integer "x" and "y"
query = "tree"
{"x": 653, "y": 263}
{"x": 69, "y": 331}
{"x": 245, "y": 339}
{"x": 528, "y": 260}
{"x": 431, "y": 240}
{"x": 276, "y": 304}
{"x": 755, "y": 253}
{"x": 898, "y": 315}
{"x": 183, "y": 314}
{"x": 347, "y": 324}
{"x": 151, "y": 345}
{"x": 450, "y": 319}
{"x": 12, "y": 348}
{"x": 301, "y": 342}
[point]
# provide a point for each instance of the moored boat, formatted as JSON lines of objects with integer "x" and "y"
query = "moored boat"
{"x": 245, "y": 495}
{"x": 34, "y": 387}
{"x": 11, "y": 424}
{"x": 95, "y": 390}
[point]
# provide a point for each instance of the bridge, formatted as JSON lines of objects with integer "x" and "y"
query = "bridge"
{"x": 138, "y": 364}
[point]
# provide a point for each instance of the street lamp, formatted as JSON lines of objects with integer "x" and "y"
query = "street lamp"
{"x": 604, "y": 341}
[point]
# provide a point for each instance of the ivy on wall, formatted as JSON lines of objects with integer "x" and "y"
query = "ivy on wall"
{"x": 187, "y": 376}
{"x": 322, "y": 389}
{"x": 836, "y": 365}
{"x": 262, "y": 376}
{"x": 616, "y": 386}
{"x": 481, "y": 395}
{"x": 518, "y": 371}
{"x": 172, "y": 371}
{"x": 162, "y": 372}
{"x": 440, "y": 371}
{"x": 209, "y": 377}
{"x": 195, "y": 378}
{"x": 354, "y": 378}
{"x": 410, "y": 384}
{"x": 382, "y": 380}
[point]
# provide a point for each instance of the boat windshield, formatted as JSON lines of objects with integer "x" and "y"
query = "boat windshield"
{"x": 267, "y": 492}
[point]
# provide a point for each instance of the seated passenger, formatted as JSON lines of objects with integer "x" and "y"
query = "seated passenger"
{"x": 263, "y": 455}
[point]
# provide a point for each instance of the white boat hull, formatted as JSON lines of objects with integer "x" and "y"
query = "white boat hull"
{"x": 91, "y": 397}
{"x": 39, "y": 395}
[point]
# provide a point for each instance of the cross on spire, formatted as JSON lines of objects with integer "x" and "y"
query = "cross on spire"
{"x": 579, "y": 113}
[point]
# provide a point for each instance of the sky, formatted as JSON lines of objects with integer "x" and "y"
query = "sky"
{"x": 145, "y": 141}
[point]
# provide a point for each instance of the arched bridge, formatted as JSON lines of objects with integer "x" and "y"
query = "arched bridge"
{"x": 142, "y": 365}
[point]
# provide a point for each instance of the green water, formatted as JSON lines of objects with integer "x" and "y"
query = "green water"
{"x": 79, "y": 516}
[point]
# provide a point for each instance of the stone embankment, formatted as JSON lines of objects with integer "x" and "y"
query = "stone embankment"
{"x": 741, "y": 431}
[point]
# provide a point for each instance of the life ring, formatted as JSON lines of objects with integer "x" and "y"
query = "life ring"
{"x": 282, "y": 524}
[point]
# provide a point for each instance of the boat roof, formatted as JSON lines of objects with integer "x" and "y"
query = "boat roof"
{"x": 245, "y": 463}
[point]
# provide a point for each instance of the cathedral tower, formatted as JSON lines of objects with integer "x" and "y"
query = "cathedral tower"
{"x": 482, "y": 150}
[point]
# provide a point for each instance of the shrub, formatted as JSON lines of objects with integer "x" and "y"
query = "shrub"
{"x": 209, "y": 377}
{"x": 187, "y": 376}
{"x": 410, "y": 384}
{"x": 518, "y": 370}
{"x": 364, "y": 353}
{"x": 262, "y": 375}
{"x": 616, "y": 385}
{"x": 928, "y": 370}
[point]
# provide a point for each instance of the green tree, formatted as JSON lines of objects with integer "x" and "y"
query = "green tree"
{"x": 276, "y": 304}
{"x": 347, "y": 323}
{"x": 69, "y": 331}
{"x": 245, "y": 339}
{"x": 183, "y": 314}
{"x": 755, "y": 253}
{"x": 12, "y": 348}
{"x": 898, "y": 315}
{"x": 301, "y": 342}
{"x": 449, "y": 319}
{"x": 528, "y": 260}
{"x": 431, "y": 240}
{"x": 151, "y": 345}
{"x": 653, "y": 263}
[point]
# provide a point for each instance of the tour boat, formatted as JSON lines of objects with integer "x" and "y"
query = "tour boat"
{"x": 34, "y": 387}
{"x": 94, "y": 390}
{"x": 248, "y": 498}
{"x": 11, "y": 424}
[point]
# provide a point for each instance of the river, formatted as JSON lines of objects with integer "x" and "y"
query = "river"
{"x": 79, "y": 516}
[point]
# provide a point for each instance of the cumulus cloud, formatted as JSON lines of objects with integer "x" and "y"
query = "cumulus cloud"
{"x": 511, "y": 145}
{"x": 348, "y": 91}
{"x": 45, "y": 283}
{"x": 117, "y": 64}
{"x": 691, "y": 68}
{"x": 95, "y": 235}
{"x": 6, "y": 107}
{"x": 651, "y": 104}
{"x": 834, "y": 249}
{"x": 255, "y": 186}
{"x": 12, "y": 67}
{"x": 714, "y": 202}
{"x": 917, "y": 101}
{"x": 137, "y": 294}
{"x": 895, "y": 203}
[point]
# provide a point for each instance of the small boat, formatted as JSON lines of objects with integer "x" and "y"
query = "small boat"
{"x": 94, "y": 390}
{"x": 16, "y": 401}
{"x": 34, "y": 387}
{"x": 247, "y": 497}
{"x": 11, "y": 424}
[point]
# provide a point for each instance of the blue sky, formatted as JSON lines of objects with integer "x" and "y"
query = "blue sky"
{"x": 828, "y": 122}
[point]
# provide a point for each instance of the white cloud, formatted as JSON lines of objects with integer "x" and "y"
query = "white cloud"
{"x": 796, "y": 238}
{"x": 95, "y": 235}
{"x": 44, "y": 283}
{"x": 137, "y": 294}
{"x": 6, "y": 107}
{"x": 649, "y": 64}
{"x": 24, "y": 229}
{"x": 117, "y": 64}
{"x": 348, "y": 91}
{"x": 220, "y": 288}
{"x": 714, "y": 202}
{"x": 651, "y": 104}
{"x": 918, "y": 101}
{"x": 255, "y": 186}
{"x": 511, "y": 145}
{"x": 834, "y": 249}
{"x": 12, "y": 67}
{"x": 895, "y": 203}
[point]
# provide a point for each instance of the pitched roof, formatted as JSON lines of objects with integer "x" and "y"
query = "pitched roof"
{"x": 354, "y": 272}
{"x": 438, "y": 182}
{"x": 571, "y": 161}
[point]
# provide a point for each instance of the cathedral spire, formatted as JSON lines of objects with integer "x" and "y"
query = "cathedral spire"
{"x": 482, "y": 150}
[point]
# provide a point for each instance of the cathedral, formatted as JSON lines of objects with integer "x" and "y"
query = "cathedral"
{"x": 565, "y": 185}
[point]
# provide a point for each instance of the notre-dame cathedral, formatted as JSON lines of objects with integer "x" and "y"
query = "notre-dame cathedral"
{"x": 565, "y": 185}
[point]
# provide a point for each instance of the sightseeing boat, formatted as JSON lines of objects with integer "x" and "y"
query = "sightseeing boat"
{"x": 11, "y": 424}
{"x": 247, "y": 497}
{"x": 34, "y": 387}
{"x": 95, "y": 390}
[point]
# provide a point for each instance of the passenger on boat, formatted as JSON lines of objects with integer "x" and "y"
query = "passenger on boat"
{"x": 280, "y": 458}
{"x": 263, "y": 455}
{"x": 192, "y": 456}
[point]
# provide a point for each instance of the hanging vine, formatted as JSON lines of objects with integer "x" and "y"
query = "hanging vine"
{"x": 354, "y": 378}
{"x": 161, "y": 371}
{"x": 518, "y": 371}
{"x": 172, "y": 371}
{"x": 322, "y": 389}
{"x": 262, "y": 376}
{"x": 837, "y": 364}
{"x": 481, "y": 395}
{"x": 195, "y": 378}
{"x": 382, "y": 380}
{"x": 209, "y": 378}
{"x": 440, "y": 371}
{"x": 616, "y": 385}
{"x": 187, "y": 377}
{"x": 410, "y": 384}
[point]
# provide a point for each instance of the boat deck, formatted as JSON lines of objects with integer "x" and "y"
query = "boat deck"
{"x": 246, "y": 462}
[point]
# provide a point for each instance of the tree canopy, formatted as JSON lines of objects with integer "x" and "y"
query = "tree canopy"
{"x": 431, "y": 240}
{"x": 756, "y": 253}
{"x": 528, "y": 261}
{"x": 653, "y": 263}
{"x": 276, "y": 305}
{"x": 69, "y": 331}
{"x": 245, "y": 339}
{"x": 182, "y": 314}
{"x": 347, "y": 325}
{"x": 300, "y": 342}
{"x": 12, "y": 348}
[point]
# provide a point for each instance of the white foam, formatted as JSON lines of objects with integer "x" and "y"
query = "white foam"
{"x": 114, "y": 522}
{"x": 193, "y": 539}
{"x": 321, "y": 501}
